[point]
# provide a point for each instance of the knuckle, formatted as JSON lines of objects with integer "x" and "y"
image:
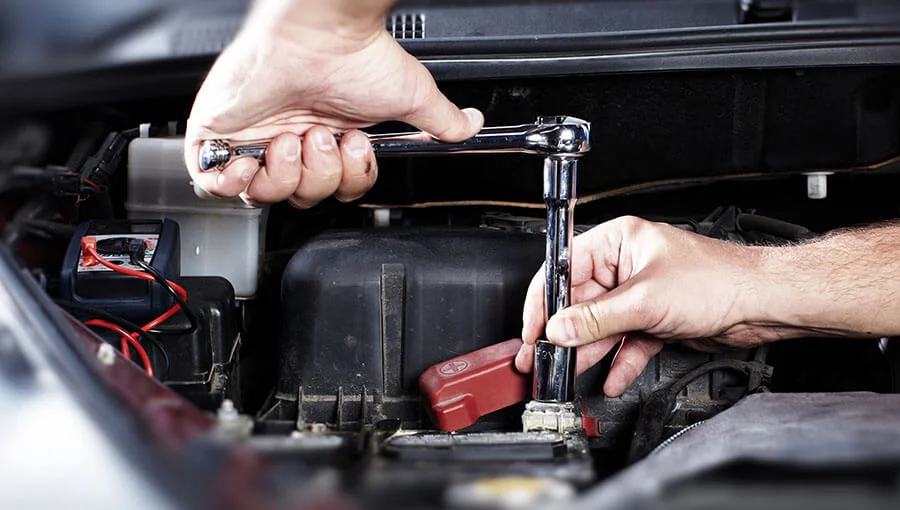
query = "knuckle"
{"x": 534, "y": 292}
{"x": 631, "y": 368}
{"x": 623, "y": 229}
{"x": 334, "y": 169}
{"x": 592, "y": 317}
{"x": 318, "y": 163}
{"x": 639, "y": 302}
{"x": 285, "y": 184}
{"x": 282, "y": 178}
{"x": 449, "y": 132}
{"x": 207, "y": 123}
{"x": 323, "y": 176}
{"x": 647, "y": 348}
{"x": 630, "y": 223}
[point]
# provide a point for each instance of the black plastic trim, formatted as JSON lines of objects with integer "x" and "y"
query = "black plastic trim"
{"x": 668, "y": 38}
{"x": 808, "y": 45}
{"x": 789, "y": 45}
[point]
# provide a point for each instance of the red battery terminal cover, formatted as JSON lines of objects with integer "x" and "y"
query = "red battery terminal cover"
{"x": 459, "y": 391}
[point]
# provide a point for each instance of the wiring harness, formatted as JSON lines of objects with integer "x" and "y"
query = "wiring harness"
{"x": 93, "y": 254}
{"x": 660, "y": 404}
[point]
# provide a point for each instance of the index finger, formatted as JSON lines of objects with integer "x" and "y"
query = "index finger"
{"x": 228, "y": 181}
{"x": 533, "y": 312}
{"x": 594, "y": 258}
{"x": 237, "y": 174}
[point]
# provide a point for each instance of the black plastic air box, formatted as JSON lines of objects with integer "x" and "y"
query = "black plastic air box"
{"x": 366, "y": 312}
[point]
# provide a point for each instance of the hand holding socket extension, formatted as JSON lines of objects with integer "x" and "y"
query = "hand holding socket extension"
{"x": 561, "y": 141}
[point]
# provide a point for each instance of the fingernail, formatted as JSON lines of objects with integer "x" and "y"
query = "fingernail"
{"x": 526, "y": 338}
{"x": 324, "y": 141}
{"x": 613, "y": 390}
{"x": 292, "y": 149}
{"x": 569, "y": 325}
{"x": 561, "y": 330}
{"x": 357, "y": 146}
{"x": 474, "y": 116}
{"x": 520, "y": 361}
{"x": 250, "y": 201}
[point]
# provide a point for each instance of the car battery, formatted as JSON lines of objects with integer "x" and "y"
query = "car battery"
{"x": 119, "y": 294}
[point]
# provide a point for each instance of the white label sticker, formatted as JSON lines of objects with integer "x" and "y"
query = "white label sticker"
{"x": 120, "y": 260}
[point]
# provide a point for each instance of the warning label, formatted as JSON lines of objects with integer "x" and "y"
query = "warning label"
{"x": 119, "y": 260}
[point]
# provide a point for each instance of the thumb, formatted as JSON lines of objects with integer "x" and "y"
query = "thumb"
{"x": 615, "y": 313}
{"x": 440, "y": 118}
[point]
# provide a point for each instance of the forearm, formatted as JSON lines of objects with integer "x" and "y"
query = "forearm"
{"x": 845, "y": 284}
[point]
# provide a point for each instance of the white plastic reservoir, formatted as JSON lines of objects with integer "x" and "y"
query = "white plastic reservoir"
{"x": 219, "y": 237}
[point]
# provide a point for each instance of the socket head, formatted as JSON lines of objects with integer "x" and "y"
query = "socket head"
{"x": 214, "y": 155}
{"x": 560, "y": 135}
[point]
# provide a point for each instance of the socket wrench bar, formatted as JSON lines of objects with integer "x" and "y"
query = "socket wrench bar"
{"x": 552, "y": 406}
{"x": 548, "y": 136}
{"x": 554, "y": 376}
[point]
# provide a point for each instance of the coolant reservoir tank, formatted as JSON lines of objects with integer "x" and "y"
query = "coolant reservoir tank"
{"x": 219, "y": 237}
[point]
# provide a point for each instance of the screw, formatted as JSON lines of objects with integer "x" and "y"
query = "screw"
{"x": 227, "y": 410}
{"x": 106, "y": 354}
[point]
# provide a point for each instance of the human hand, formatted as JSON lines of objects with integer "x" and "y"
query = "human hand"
{"x": 299, "y": 72}
{"x": 647, "y": 284}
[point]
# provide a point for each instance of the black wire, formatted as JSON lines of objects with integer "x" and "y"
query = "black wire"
{"x": 658, "y": 407}
{"x": 160, "y": 279}
{"x": 124, "y": 324}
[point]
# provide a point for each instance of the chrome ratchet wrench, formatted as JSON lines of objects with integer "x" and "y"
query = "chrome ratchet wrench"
{"x": 557, "y": 137}
{"x": 561, "y": 141}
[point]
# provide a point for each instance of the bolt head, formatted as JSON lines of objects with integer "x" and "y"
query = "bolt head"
{"x": 106, "y": 355}
{"x": 213, "y": 155}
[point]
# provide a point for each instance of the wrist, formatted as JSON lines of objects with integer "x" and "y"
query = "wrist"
{"x": 773, "y": 311}
{"x": 758, "y": 287}
{"x": 330, "y": 25}
{"x": 799, "y": 294}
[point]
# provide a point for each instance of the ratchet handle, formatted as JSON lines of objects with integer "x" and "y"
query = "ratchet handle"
{"x": 553, "y": 135}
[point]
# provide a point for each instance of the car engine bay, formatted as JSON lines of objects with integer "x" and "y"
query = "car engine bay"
{"x": 309, "y": 331}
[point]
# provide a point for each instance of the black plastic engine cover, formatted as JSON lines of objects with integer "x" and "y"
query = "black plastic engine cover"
{"x": 366, "y": 312}
{"x": 202, "y": 362}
